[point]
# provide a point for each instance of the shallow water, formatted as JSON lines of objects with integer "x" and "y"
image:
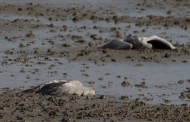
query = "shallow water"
{"x": 164, "y": 74}
{"x": 153, "y": 74}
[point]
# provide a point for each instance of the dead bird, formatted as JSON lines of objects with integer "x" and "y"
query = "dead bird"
{"x": 66, "y": 86}
{"x": 135, "y": 42}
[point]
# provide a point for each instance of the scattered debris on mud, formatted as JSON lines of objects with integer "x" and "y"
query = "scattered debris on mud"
{"x": 57, "y": 40}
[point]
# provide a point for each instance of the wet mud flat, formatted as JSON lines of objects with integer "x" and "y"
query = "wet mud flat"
{"x": 16, "y": 106}
{"x": 41, "y": 42}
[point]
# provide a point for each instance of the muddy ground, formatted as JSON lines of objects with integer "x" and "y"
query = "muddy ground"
{"x": 36, "y": 107}
{"x": 42, "y": 41}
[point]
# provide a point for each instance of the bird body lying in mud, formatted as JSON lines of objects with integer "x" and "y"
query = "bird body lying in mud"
{"x": 65, "y": 86}
{"x": 118, "y": 44}
{"x": 135, "y": 42}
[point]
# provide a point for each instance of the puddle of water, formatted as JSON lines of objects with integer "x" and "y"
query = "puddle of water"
{"x": 155, "y": 75}
{"x": 122, "y": 7}
{"x": 174, "y": 33}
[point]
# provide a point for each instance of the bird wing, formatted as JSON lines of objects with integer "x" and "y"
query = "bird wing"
{"x": 43, "y": 88}
{"x": 118, "y": 44}
{"x": 159, "y": 43}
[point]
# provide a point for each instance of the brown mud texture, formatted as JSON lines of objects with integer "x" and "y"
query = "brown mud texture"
{"x": 37, "y": 37}
{"x": 16, "y": 106}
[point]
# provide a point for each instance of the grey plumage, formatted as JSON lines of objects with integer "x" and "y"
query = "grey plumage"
{"x": 57, "y": 87}
{"x": 135, "y": 42}
{"x": 159, "y": 43}
{"x": 118, "y": 44}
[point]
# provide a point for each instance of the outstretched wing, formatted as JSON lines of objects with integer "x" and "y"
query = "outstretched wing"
{"x": 159, "y": 43}
{"x": 46, "y": 88}
{"x": 66, "y": 86}
{"x": 118, "y": 44}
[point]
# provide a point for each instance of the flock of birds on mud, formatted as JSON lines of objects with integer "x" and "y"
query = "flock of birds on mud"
{"x": 68, "y": 86}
